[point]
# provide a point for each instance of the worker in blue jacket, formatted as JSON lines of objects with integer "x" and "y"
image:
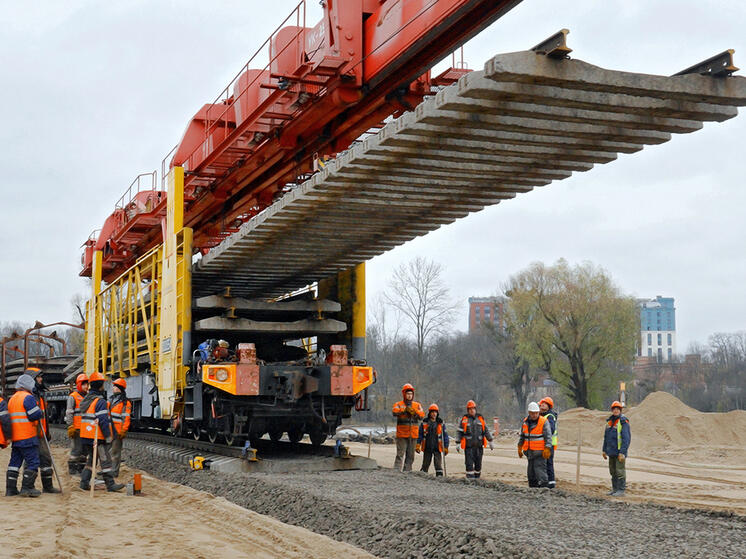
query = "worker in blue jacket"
{"x": 25, "y": 414}
{"x": 616, "y": 444}
{"x": 433, "y": 441}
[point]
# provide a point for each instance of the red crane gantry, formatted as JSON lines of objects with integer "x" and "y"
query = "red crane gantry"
{"x": 323, "y": 87}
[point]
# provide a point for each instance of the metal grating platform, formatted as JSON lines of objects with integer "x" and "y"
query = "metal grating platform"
{"x": 525, "y": 121}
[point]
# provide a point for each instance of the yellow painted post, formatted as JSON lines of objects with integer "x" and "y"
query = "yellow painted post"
{"x": 93, "y": 317}
{"x": 175, "y": 296}
{"x": 358, "y": 312}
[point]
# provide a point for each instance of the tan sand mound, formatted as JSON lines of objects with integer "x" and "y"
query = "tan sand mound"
{"x": 663, "y": 426}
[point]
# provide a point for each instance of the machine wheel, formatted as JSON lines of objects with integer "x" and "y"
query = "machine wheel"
{"x": 196, "y": 431}
{"x": 317, "y": 437}
{"x": 212, "y": 435}
{"x": 295, "y": 434}
{"x": 275, "y": 435}
{"x": 228, "y": 435}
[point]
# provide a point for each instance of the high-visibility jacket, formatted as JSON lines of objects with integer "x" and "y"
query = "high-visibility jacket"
{"x": 98, "y": 409}
{"x": 408, "y": 424}
{"x": 121, "y": 410}
{"x": 534, "y": 439}
{"x": 440, "y": 434}
{"x": 473, "y": 429}
{"x": 552, "y": 419}
{"x": 617, "y": 436}
{"x": 43, "y": 419}
{"x": 24, "y": 417}
{"x": 77, "y": 398}
{"x": 6, "y": 430}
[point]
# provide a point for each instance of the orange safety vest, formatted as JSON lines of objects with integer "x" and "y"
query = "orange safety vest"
{"x": 78, "y": 397}
{"x": 120, "y": 416}
{"x": 465, "y": 425}
{"x": 88, "y": 423}
{"x": 3, "y": 440}
{"x": 534, "y": 439}
{"x": 438, "y": 431}
{"x": 43, "y": 420}
{"x": 23, "y": 428}
{"x": 408, "y": 427}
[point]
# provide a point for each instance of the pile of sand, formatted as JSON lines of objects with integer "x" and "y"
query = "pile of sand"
{"x": 663, "y": 425}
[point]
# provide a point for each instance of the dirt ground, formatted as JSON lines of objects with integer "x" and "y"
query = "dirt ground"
{"x": 167, "y": 520}
{"x": 678, "y": 457}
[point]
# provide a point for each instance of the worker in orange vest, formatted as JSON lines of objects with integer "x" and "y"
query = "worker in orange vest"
{"x": 72, "y": 417}
{"x": 6, "y": 430}
{"x": 408, "y": 414}
{"x": 535, "y": 443}
{"x": 45, "y": 457}
{"x": 96, "y": 409}
{"x": 472, "y": 436}
{"x": 546, "y": 407}
{"x": 24, "y": 414}
{"x": 121, "y": 409}
{"x": 617, "y": 438}
{"x": 432, "y": 440}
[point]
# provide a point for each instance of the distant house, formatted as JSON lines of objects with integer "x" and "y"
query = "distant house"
{"x": 486, "y": 309}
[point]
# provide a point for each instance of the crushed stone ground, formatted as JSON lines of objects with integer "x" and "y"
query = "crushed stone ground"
{"x": 396, "y": 515}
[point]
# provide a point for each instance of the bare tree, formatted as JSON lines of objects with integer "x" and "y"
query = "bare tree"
{"x": 418, "y": 292}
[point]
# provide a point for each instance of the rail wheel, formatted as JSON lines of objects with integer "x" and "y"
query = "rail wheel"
{"x": 295, "y": 434}
{"x": 196, "y": 431}
{"x": 212, "y": 434}
{"x": 317, "y": 437}
{"x": 275, "y": 434}
{"x": 228, "y": 434}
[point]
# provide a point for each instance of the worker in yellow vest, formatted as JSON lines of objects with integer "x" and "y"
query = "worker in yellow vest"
{"x": 535, "y": 443}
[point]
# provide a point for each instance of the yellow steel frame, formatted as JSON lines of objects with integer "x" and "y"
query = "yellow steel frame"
{"x": 142, "y": 320}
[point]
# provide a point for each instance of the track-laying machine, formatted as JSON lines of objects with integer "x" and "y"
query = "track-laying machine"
{"x": 239, "y": 360}
{"x": 232, "y": 294}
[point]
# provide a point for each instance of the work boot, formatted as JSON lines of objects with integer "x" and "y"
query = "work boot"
{"x": 46, "y": 483}
{"x": 11, "y": 483}
{"x": 27, "y": 485}
{"x": 85, "y": 479}
{"x": 613, "y": 487}
{"x": 111, "y": 483}
{"x": 621, "y": 485}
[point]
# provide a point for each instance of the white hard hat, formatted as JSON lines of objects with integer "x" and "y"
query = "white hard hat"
{"x": 533, "y": 406}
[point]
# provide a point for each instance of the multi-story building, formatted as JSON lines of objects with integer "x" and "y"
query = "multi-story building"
{"x": 486, "y": 309}
{"x": 657, "y": 328}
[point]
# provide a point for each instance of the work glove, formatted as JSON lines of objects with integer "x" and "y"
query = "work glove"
{"x": 546, "y": 453}
{"x": 108, "y": 439}
{"x": 417, "y": 449}
{"x": 71, "y": 431}
{"x": 520, "y": 452}
{"x": 122, "y": 435}
{"x": 445, "y": 451}
{"x": 409, "y": 410}
{"x": 622, "y": 458}
{"x": 492, "y": 446}
{"x": 458, "y": 449}
{"x": 604, "y": 455}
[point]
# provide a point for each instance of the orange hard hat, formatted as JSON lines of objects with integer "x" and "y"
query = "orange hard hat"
{"x": 121, "y": 383}
{"x": 80, "y": 379}
{"x": 616, "y": 404}
{"x": 96, "y": 376}
{"x": 548, "y": 401}
{"x": 433, "y": 407}
{"x": 406, "y": 388}
{"x": 471, "y": 404}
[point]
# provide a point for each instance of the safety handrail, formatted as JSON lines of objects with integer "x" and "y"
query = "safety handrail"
{"x": 137, "y": 185}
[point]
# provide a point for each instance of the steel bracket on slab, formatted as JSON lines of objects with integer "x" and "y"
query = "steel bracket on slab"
{"x": 720, "y": 65}
{"x": 555, "y": 46}
{"x": 249, "y": 453}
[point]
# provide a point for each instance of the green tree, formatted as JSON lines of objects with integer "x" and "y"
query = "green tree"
{"x": 573, "y": 323}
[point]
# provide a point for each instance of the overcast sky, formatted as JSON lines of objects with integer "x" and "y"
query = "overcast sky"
{"x": 96, "y": 92}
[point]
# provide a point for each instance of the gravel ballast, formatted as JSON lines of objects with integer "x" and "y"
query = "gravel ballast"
{"x": 412, "y": 515}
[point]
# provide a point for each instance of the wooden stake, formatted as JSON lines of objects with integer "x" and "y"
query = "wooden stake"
{"x": 577, "y": 464}
{"x": 370, "y": 436}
